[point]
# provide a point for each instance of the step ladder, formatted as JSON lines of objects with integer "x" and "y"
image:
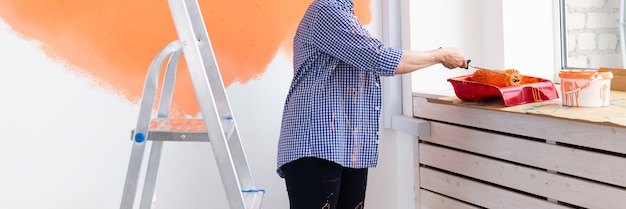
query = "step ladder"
{"x": 217, "y": 124}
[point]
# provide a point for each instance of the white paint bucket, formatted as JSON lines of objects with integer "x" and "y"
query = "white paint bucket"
{"x": 585, "y": 88}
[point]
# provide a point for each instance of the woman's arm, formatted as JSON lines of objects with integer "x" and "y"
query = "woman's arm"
{"x": 414, "y": 60}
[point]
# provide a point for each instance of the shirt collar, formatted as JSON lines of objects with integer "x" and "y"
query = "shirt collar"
{"x": 346, "y": 3}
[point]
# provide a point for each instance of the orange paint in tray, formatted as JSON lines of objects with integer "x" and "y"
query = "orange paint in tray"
{"x": 508, "y": 86}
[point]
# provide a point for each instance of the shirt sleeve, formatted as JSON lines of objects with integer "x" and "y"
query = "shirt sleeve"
{"x": 339, "y": 33}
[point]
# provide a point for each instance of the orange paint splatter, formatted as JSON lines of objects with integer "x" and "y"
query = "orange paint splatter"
{"x": 115, "y": 40}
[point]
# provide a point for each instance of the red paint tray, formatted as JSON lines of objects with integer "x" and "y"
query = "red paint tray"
{"x": 536, "y": 91}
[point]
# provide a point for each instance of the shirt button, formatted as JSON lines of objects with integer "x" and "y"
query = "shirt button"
{"x": 377, "y": 85}
{"x": 377, "y": 108}
{"x": 378, "y": 133}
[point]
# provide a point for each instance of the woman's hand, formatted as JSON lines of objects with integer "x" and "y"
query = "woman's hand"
{"x": 451, "y": 58}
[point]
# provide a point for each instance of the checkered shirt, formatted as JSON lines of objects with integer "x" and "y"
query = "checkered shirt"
{"x": 333, "y": 106}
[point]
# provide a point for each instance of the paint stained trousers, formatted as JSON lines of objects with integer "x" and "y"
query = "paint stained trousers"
{"x": 314, "y": 183}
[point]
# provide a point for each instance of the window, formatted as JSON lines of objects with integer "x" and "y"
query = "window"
{"x": 593, "y": 33}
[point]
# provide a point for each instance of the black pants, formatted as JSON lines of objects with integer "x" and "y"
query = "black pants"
{"x": 314, "y": 183}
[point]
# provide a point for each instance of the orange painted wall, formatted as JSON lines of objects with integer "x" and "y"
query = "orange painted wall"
{"x": 115, "y": 40}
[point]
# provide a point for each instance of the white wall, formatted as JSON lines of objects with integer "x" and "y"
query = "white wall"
{"x": 529, "y": 42}
{"x": 444, "y": 23}
{"x": 493, "y": 34}
{"x": 66, "y": 140}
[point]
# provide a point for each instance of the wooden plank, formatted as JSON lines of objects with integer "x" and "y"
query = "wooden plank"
{"x": 571, "y": 190}
{"x": 612, "y": 115}
{"x": 597, "y": 166}
{"x": 431, "y": 200}
{"x": 619, "y": 78}
{"x": 592, "y": 165}
{"x": 480, "y": 194}
{"x": 610, "y": 138}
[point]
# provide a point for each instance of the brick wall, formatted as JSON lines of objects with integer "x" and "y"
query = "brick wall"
{"x": 593, "y": 36}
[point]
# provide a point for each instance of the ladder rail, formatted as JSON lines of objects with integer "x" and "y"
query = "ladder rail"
{"x": 148, "y": 98}
{"x": 163, "y": 111}
{"x": 197, "y": 49}
{"x": 169, "y": 82}
{"x": 191, "y": 30}
{"x": 243, "y": 170}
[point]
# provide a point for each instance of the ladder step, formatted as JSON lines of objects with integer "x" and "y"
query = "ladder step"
{"x": 253, "y": 198}
{"x": 192, "y": 125}
{"x": 185, "y": 129}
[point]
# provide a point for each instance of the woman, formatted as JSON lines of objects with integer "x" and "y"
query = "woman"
{"x": 330, "y": 125}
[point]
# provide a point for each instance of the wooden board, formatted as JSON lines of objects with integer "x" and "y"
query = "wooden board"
{"x": 431, "y": 200}
{"x": 618, "y": 82}
{"x": 575, "y": 191}
{"x": 488, "y": 155}
{"x": 614, "y": 114}
{"x": 602, "y": 167}
{"x": 603, "y": 137}
{"x": 480, "y": 194}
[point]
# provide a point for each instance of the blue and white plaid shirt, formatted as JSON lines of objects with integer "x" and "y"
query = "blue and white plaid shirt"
{"x": 333, "y": 106}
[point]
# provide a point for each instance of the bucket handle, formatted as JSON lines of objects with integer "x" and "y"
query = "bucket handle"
{"x": 583, "y": 86}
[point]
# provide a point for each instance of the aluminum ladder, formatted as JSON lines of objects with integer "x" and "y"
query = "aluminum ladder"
{"x": 217, "y": 124}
